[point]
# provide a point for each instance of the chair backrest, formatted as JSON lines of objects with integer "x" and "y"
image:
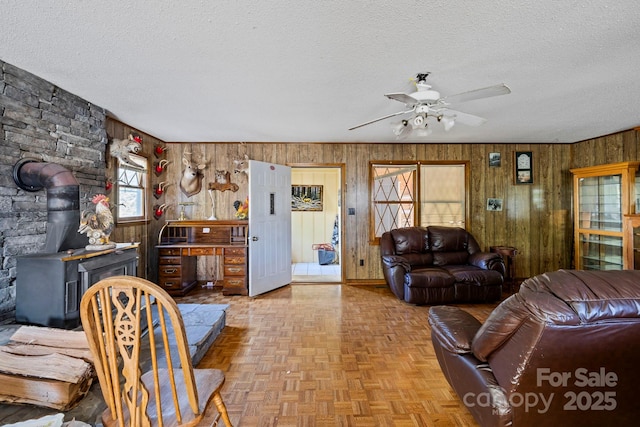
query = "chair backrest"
{"x": 118, "y": 316}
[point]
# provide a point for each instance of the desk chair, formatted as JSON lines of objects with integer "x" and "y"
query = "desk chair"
{"x": 142, "y": 382}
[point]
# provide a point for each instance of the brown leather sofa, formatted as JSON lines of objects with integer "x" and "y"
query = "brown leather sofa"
{"x": 439, "y": 265}
{"x": 563, "y": 351}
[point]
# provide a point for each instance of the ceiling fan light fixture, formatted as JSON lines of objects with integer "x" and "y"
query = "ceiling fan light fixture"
{"x": 400, "y": 128}
{"x": 448, "y": 122}
{"x": 426, "y": 102}
{"x": 422, "y": 132}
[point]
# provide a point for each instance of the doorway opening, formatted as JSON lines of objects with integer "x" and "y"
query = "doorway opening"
{"x": 316, "y": 223}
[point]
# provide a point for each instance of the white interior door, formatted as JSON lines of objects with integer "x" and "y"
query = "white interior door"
{"x": 269, "y": 226}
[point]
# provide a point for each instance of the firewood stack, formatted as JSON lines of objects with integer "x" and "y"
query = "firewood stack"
{"x": 45, "y": 367}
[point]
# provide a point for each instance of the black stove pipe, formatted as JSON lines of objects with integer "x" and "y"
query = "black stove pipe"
{"x": 63, "y": 201}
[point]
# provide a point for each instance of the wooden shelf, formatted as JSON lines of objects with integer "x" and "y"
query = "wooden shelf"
{"x": 603, "y": 196}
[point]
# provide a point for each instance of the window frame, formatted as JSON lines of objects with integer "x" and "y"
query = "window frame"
{"x": 373, "y": 225}
{"x": 416, "y": 203}
{"x": 144, "y": 179}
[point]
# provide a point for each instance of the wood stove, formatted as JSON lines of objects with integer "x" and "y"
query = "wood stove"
{"x": 50, "y": 285}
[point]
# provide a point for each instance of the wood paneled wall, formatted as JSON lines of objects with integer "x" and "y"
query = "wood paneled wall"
{"x": 144, "y": 232}
{"x": 536, "y": 218}
{"x": 617, "y": 147}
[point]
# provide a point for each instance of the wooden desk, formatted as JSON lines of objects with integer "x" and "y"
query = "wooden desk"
{"x": 181, "y": 242}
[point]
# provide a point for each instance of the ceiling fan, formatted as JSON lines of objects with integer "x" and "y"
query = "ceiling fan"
{"x": 426, "y": 103}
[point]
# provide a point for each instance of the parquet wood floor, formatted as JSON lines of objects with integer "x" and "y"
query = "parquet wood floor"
{"x": 331, "y": 355}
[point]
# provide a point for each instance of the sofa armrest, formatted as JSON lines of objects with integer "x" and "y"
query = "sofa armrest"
{"x": 488, "y": 261}
{"x": 453, "y": 328}
{"x": 393, "y": 261}
{"x": 394, "y": 268}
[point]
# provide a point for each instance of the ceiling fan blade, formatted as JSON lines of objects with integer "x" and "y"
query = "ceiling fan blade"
{"x": 402, "y": 97}
{"x": 487, "y": 92}
{"x": 464, "y": 118}
{"x": 381, "y": 118}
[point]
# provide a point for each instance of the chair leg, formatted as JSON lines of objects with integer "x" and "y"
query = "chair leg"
{"x": 217, "y": 399}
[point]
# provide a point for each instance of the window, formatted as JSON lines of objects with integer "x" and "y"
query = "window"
{"x": 442, "y": 195}
{"x": 392, "y": 197}
{"x": 131, "y": 184}
{"x": 417, "y": 193}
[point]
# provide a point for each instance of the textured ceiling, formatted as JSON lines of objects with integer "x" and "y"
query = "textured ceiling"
{"x": 306, "y": 71}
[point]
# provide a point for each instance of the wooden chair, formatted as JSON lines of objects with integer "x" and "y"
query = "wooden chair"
{"x": 114, "y": 313}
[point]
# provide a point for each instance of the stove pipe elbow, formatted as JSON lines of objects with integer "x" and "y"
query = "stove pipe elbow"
{"x": 63, "y": 201}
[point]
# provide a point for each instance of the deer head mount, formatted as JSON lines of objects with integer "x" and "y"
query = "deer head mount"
{"x": 191, "y": 180}
{"x": 241, "y": 166}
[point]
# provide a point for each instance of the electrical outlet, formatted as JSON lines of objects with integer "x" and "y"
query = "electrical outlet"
{"x": 361, "y": 263}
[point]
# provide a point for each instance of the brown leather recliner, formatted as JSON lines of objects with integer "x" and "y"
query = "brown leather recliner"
{"x": 439, "y": 265}
{"x": 563, "y": 351}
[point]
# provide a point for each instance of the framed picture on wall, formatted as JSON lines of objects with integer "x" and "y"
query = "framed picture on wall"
{"x": 494, "y": 160}
{"x": 523, "y": 161}
{"x": 306, "y": 198}
{"x": 494, "y": 204}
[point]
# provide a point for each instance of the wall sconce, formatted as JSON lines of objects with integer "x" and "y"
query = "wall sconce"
{"x": 160, "y": 167}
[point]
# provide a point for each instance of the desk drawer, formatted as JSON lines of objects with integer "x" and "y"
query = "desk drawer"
{"x": 236, "y": 260}
{"x": 170, "y": 271}
{"x": 175, "y": 285}
{"x": 171, "y": 283}
{"x": 165, "y": 260}
{"x": 235, "y": 286}
{"x": 235, "y": 251}
{"x": 201, "y": 251}
{"x": 235, "y": 270}
{"x": 169, "y": 252}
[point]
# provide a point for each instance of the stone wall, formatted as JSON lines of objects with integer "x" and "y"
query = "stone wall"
{"x": 42, "y": 121}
